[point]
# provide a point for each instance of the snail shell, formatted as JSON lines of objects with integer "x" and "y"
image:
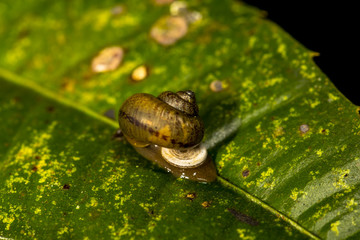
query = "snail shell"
{"x": 170, "y": 121}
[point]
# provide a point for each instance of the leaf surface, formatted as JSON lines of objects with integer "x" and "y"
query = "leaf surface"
{"x": 284, "y": 140}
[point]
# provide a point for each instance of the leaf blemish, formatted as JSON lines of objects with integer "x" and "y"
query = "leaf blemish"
{"x": 110, "y": 114}
{"x": 107, "y": 60}
{"x": 304, "y": 128}
{"x": 50, "y": 109}
{"x": 243, "y": 217}
{"x": 206, "y": 204}
{"x": 216, "y": 86}
{"x": 66, "y": 186}
{"x": 246, "y": 173}
{"x": 190, "y": 196}
{"x": 169, "y": 29}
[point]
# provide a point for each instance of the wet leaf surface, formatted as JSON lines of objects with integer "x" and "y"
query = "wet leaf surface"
{"x": 285, "y": 141}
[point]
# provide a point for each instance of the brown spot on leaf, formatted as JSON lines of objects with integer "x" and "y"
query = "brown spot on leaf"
{"x": 16, "y": 99}
{"x": 66, "y": 186}
{"x": 216, "y": 86}
{"x": 50, "y": 109}
{"x": 23, "y": 33}
{"x": 190, "y": 196}
{"x": 206, "y": 204}
{"x": 246, "y": 173}
{"x": 34, "y": 168}
{"x": 243, "y": 217}
{"x": 37, "y": 157}
{"x": 110, "y": 114}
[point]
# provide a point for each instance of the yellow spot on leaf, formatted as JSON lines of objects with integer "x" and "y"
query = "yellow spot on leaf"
{"x": 332, "y": 97}
{"x": 93, "y": 202}
{"x": 17, "y": 53}
{"x": 314, "y": 103}
{"x": 101, "y": 20}
{"x": 295, "y": 192}
{"x": 24, "y": 152}
{"x": 334, "y": 227}
{"x": 322, "y": 212}
{"x": 270, "y": 182}
{"x": 8, "y": 220}
{"x": 282, "y": 50}
{"x": 343, "y": 147}
{"x": 273, "y": 81}
{"x": 341, "y": 178}
{"x": 319, "y": 152}
{"x": 252, "y": 41}
{"x": 231, "y": 153}
{"x": 258, "y": 127}
{"x": 63, "y": 230}
{"x": 37, "y": 211}
{"x": 244, "y": 234}
{"x": 351, "y": 204}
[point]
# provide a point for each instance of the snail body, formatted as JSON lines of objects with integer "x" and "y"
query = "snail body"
{"x": 168, "y": 130}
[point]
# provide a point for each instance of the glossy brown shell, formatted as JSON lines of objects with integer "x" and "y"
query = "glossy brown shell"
{"x": 145, "y": 119}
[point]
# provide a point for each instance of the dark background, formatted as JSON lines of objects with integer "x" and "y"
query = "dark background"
{"x": 324, "y": 27}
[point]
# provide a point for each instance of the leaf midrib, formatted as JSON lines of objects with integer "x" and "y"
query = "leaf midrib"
{"x": 24, "y": 82}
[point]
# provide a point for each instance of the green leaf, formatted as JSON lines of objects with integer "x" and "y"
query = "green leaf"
{"x": 62, "y": 176}
{"x": 284, "y": 140}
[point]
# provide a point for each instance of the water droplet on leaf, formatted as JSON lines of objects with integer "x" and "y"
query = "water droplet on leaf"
{"x": 304, "y": 128}
{"x": 216, "y": 86}
{"x": 107, "y": 60}
{"x": 117, "y": 10}
{"x": 139, "y": 73}
{"x": 169, "y": 29}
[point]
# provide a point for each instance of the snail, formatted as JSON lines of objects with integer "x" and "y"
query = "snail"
{"x": 168, "y": 130}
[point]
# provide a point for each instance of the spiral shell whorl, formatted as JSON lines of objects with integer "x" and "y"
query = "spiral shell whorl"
{"x": 184, "y": 101}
